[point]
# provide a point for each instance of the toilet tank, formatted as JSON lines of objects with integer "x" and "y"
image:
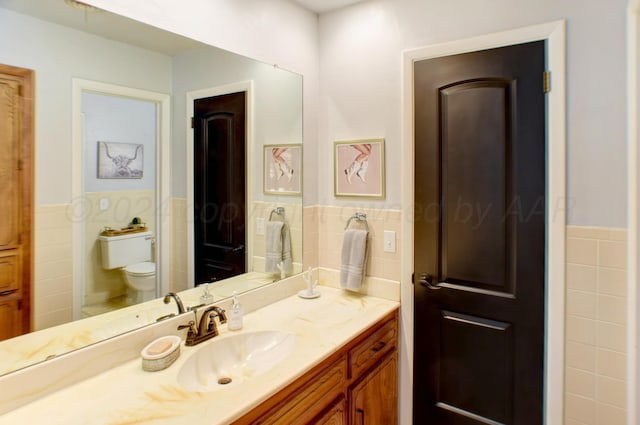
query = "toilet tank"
{"x": 120, "y": 251}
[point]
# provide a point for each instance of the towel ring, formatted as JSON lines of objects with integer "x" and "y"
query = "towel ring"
{"x": 278, "y": 211}
{"x": 360, "y": 217}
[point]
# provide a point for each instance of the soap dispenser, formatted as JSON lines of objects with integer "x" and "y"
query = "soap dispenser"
{"x": 206, "y": 297}
{"x": 235, "y": 314}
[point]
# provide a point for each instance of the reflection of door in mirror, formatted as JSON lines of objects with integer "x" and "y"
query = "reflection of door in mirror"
{"x": 219, "y": 187}
{"x": 119, "y": 179}
{"x": 16, "y": 194}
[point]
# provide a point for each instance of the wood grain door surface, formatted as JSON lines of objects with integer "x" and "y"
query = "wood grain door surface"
{"x": 16, "y": 199}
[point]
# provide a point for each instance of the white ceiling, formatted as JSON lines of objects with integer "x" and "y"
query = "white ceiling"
{"x": 321, "y": 6}
{"x": 103, "y": 24}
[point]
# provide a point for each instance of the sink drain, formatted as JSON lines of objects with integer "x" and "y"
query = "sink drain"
{"x": 224, "y": 381}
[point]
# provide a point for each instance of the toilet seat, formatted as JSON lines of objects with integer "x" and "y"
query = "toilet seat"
{"x": 146, "y": 268}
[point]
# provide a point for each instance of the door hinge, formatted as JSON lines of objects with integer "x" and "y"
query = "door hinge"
{"x": 546, "y": 81}
{"x": 193, "y": 122}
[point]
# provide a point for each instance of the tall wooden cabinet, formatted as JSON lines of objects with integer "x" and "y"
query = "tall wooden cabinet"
{"x": 16, "y": 199}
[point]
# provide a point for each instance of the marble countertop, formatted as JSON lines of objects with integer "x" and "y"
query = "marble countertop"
{"x": 33, "y": 347}
{"x": 126, "y": 394}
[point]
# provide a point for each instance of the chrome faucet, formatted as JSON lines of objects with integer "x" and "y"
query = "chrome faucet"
{"x": 207, "y": 327}
{"x": 167, "y": 300}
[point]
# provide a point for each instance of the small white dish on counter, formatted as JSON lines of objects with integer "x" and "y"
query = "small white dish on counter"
{"x": 160, "y": 353}
{"x": 305, "y": 293}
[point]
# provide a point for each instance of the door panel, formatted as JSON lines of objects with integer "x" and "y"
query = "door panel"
{"x": 476, "y": 146}
{"x": 10, "y": 111}
{"x": 480, "y": 237}
{"x": 219, "y": 187}
{"x": 478, "y": 352}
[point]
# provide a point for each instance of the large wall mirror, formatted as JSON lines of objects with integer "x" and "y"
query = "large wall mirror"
{"x": 134, "y": 143}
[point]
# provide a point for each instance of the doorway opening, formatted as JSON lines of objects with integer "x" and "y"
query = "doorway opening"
{"x": 109, "y": 191}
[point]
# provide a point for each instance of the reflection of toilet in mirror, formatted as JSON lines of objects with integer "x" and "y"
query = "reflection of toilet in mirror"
{"x": 133, "y": 254}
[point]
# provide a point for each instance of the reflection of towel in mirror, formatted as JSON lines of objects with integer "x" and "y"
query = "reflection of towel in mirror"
{"x": 354, "y": 255}
{"x": 277, "y": 246}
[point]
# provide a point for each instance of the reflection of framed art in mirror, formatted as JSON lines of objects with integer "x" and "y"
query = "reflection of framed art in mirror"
{"x": 283, "y": 169}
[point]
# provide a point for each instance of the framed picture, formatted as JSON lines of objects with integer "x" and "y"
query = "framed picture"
{"x": 120, "y": 160}
{"x": 283, "y": 169}
{"x": 359, "y": 168}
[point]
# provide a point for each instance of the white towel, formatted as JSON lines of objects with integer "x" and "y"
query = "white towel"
{"x": 354, "y": 255}
{"x": 278, "y": 247}
{"x": 286, "y": 248}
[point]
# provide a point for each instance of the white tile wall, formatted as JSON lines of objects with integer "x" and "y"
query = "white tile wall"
{"x": 53, "y": 268}
{"x": 595, "y": 326}
{"x": 331, "y": 222}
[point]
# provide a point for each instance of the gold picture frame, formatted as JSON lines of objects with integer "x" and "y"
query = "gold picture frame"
{"x": 359, "y": 169}
{"x": 282, "y": 172}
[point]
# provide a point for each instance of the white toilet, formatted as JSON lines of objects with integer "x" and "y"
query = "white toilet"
{"x": 132, "y": 253}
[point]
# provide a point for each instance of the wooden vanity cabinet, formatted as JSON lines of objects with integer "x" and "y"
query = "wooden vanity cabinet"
{"x": 355, "y": 385}
{"x": 374, "y": 399}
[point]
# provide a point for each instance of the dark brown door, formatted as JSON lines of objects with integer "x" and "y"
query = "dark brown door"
{"x": 219, "y": 187}
{"x": 480, "y": 237}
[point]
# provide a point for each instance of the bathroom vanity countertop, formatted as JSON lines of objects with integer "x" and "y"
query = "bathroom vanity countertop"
{"x": 127, "y": 394}
{"x": 28, "y": 349}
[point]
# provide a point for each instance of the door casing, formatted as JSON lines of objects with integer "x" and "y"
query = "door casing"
{"x": 554, "y": 34}
{"x": 633, "y": 209}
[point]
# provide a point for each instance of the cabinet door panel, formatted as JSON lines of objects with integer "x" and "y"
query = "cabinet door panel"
{"x": 9, "y": 272}
{"x": 335, "y": 415}
{"x": 9, "y": 319}
{"x": 374, "y": 400}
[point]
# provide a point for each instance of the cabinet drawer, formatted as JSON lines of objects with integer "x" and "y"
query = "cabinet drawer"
{"x": 313, "y": 397}
{"x": 373, "y": 348}
{"x": 9, "y": 272}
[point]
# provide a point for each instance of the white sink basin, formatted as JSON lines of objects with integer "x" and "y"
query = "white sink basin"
{"x": 229, "y": 361}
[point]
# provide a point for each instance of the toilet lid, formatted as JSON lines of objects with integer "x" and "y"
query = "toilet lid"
{"x": 140, "y": 269}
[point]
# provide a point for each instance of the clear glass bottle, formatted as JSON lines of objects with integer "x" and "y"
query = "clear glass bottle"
{"x": 234, "y": 322}
{"x": 206, "y": 297}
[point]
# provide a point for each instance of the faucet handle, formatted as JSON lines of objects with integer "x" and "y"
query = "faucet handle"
{"x": 191, "y": 326}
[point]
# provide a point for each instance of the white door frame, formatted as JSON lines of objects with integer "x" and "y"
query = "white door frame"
{"x": 633, "y": 106}
{"x": 554, "y": 34}
{"x": 163, "y": 179}
{"x": 240, "y": 86}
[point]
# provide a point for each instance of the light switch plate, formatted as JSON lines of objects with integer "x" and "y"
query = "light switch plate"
{"x": 389, "y": 241}
{"x": 104, "y": 204}
{"x": 259, "y": 226}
